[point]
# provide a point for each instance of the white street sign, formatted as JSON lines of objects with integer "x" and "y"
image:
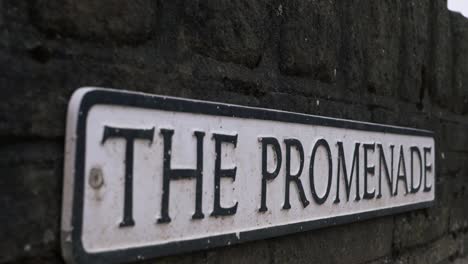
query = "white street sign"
{"x": 148, "y": 176}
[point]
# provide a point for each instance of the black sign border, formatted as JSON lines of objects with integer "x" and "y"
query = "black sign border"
{"x": 100, "y": 96}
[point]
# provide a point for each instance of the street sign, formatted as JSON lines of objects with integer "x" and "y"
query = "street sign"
{"x": 147, "y": 175}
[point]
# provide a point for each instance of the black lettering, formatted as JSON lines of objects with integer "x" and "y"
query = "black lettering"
{"x": 348, "y": 182}
{"x": 294, "y": 178}
{"x": 368, "y": 170}
{"x": 130, "y": 135}
{"x": 176, "y": 174}
{"x": 321, "y": 142}
{"x": 266, "y": 175}
{"x": 222, "y": 173}
{"x": 383, "y": 164}
{"x": 401, "y": 175}
{"x": 427, "y": 168}
{"x": 414, "y": 149}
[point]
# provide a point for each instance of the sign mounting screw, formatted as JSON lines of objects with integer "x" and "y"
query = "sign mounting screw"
{"x": 96, "y": 179}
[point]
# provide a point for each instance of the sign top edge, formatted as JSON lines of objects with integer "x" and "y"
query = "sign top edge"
{"x": 81, "y": 93}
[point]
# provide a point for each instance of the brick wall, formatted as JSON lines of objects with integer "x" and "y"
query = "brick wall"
{"x": 398, "y": 62}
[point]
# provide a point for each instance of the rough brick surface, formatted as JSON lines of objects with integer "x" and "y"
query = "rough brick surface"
{"x": 31, "y": 184}
{"x": 460, "y": 62}
{"x": 382, "y": 56}
{"x": 127, "y": 21}
{"x": 395, "y": 62}
{"x": 309, "y": 39}
{"x": 415, "y": 36}
{"x": 349, "y": 244}
{"x": 231, "y": 31}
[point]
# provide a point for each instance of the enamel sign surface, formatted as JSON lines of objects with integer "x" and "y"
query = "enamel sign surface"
{"x": 148, "y": 176}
